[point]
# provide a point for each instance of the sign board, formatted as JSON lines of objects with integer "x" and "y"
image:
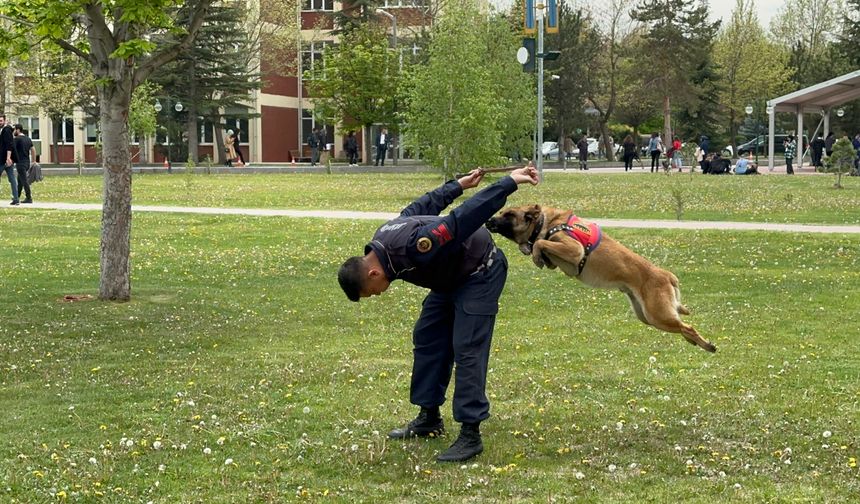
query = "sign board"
{"x": 529, "y": 14}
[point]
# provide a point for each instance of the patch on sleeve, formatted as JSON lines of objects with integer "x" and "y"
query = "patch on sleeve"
{"x": 424, "y": 244}
{"x": 442, "y": 234}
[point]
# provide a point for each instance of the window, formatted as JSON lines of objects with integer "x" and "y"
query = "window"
{"x": 65, "y": 130}
{"x": 31, "y": 124}
{"x": 237, "y": 124}
{"x": 403, "y": 3}
{"x": 308, "y": 124}
{"x": 92, "y": 131}
{"x": 313, "y": 66}
{"x": 207, "y": 133}
{"x": 315, "y": 5}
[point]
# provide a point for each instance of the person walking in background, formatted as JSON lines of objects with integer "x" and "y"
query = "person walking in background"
{"x": 381, "y": 146}
{"x": 856, "y": 144}
{"x": 828, "y": 143}
{"x": 704, "y": 144}
{"x": 629, "y": 152}
{"x": 790, "y": 148}
{"x": 675, "y": 156}
{"x": 582, "y": 145}
{"x": 314, "y": 144}
{"x": 229, "y": 149}
{"x": 237, "y": 145}
{"x": 568, "y": 148}
{"x": 6, "y": 148}
{"x": 655, "y": 147}
{"x": 23, "y": 153}
{"x": 817, "y": 147}
{"x": 352, "y": 149}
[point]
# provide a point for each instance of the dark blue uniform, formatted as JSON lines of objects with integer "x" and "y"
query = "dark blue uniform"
{"x": 456, "y": 258}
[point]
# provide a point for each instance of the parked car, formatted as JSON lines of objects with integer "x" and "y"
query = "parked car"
{"x": 549, "y": 150}
{"x": 761, "y": 142}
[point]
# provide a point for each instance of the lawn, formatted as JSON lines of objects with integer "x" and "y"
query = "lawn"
{"x": 240, "y": 373}
{"x": 637, "y": 195}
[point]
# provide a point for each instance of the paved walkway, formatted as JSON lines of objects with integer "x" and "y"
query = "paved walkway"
{"x": 347, "y": 214}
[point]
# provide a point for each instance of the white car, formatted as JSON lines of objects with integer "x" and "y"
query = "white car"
{"x": 550, "y": 149}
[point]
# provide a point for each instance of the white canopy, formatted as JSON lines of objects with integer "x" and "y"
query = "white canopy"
{"x": 820, "y": 98}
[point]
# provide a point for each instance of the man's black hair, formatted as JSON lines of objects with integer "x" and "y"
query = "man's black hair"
{"x": 350, "y": 276}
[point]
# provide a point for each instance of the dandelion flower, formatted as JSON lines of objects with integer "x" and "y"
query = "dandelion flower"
{"x": 207, "y": 451}
{"x": 306, "y": 410}
{"x": 93, "y": 461}
{"x": 826, "y": 434}
{"x": 229, "y": 461}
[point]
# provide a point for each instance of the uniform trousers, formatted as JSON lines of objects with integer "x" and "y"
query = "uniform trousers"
{"x": 454, "y": 332}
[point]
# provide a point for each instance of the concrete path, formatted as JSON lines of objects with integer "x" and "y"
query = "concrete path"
{"x": 382, "y": 216}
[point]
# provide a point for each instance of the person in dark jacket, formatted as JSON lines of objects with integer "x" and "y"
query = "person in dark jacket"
{"x": 455, "y": 257}
{"x": 382, "y": 140}
{"x": 828, "y": 143}
{"x": 314, "y": 143}
{"x": 704, "y": 144}
{"x": 817, "y": 148}
{"x": 23, "y": 152}
{"x": 351, "y": 145}
{"x": 6, "y": 148}
{"x": 582, "y": 145}
{"x": 629, "y": 152}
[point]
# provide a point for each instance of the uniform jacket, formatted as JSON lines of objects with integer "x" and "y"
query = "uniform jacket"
{"x": 436, "y": 252}
{"x": 6, "y": 143}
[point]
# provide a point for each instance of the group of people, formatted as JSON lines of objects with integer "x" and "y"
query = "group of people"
{"x": 18, "y": 153}
{"x": 233, "y": 149}
{"x": 821, "y": 146}
{"x": 316, "y": 142}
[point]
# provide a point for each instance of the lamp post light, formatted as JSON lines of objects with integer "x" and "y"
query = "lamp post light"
{"x": 840, "y": 112}
{"x": 749, "y": 110}
{"x": 178, "y": 107}
{"x": 393, "y": 19}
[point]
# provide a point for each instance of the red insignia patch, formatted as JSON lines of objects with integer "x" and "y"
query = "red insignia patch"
{"x": 442, "y": 234}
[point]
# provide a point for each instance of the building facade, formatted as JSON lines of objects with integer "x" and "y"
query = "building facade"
{"x": 281, "y": 112}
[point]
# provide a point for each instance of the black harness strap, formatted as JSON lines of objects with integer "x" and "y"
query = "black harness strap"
{"x": 569, "y": 229}
{"x": 536, "y": 232}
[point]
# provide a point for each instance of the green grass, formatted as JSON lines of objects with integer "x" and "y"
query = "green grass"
{"x": 799, "y": 199}
{"x": 239, "y": 340}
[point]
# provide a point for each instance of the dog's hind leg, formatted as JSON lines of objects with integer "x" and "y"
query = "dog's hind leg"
{"x": 680, "y": 307}
{"x": 662, "y": 312}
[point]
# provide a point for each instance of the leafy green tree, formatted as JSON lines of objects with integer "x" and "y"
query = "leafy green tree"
{"x": 750, "y": 67}
{"x": 565, "y": 97}
{"x": 142, "y": 118}
{"x": 212, "y": 78}
{"x": 610, "y": 38}
{"x": 115, "y": 37}
{"x": 807, "y": 27}
{"x": 678, "y": 36}
{"x": 360, "y": 81}
{"x": 849, "y": 39}
{"x": 841, "y": 161}
{"x": 457, "y": 103}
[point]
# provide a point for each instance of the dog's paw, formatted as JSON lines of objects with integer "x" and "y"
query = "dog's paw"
{"x": 538, "y": 259}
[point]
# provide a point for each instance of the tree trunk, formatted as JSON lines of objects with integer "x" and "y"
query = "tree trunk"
{"x": 667, "y": 121}
{"x": 192, "y": 131}
{"x": 368, "y": 144}
{"x": 115, "y": 280}
{"x": 607, "y": 147}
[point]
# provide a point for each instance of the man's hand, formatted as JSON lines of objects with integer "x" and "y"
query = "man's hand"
{"x": 472, "y": 179}
{"x": 527, "y": 173}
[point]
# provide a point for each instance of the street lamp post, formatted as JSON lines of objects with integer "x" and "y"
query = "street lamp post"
{"x": 749, "y": 110}
{"x": 393, "y": 19}
{"x": 178, "y": 107}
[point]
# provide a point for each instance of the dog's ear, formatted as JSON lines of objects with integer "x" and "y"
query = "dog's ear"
{"x": 532, "y": 213}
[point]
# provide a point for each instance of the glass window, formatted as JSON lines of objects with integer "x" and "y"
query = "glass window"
{"x": 313, "y": 66}
{"x": 66, "y": 130}
{"x": 308, "y": 124}
{"x": 92, "y": 131}
{"x": 31, "y": 124}
{"x": 237, "y": 124}
{"x": 314, "y": 5}
{"x": 207, "y": 132}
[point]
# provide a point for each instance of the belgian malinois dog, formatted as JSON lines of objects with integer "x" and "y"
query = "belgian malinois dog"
{"x": 558, "y": 239}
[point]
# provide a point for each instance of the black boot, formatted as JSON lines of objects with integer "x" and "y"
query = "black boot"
{"x": 428, "y": 423}
{"x": 467, "y": 445}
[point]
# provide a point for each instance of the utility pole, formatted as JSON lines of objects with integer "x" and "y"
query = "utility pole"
{"x": 539, "y": 148}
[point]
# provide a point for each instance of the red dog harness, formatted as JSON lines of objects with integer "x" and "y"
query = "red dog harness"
{"x": 586, "y": 233}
